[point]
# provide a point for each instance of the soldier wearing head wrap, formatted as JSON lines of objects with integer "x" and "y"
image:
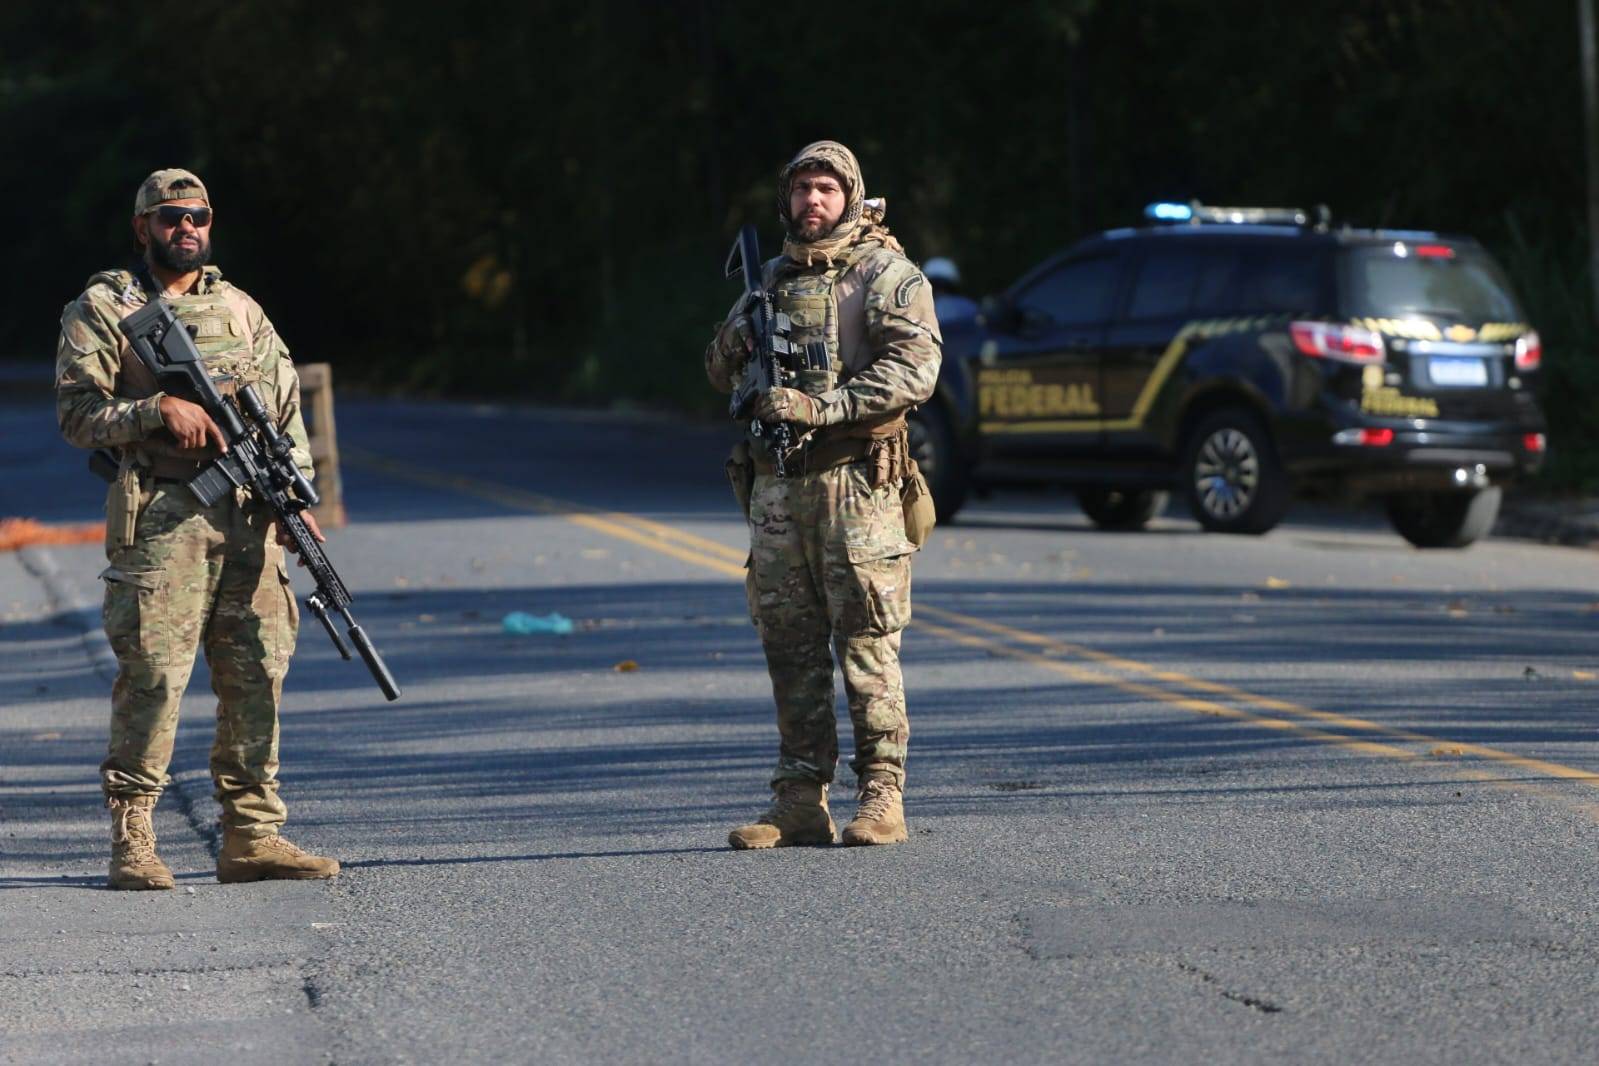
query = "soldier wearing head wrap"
{"x": 182, "y": 574}
{"x": 829, "y": 555}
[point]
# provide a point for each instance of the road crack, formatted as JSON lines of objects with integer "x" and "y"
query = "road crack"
{"x": 1256, "y": 1003}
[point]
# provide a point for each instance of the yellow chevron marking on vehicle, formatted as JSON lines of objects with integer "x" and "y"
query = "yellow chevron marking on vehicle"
{"x": 1460, "y": 334}
{"x": 1497, "y": 332}
{"x": 718, "y": 557}
{"x": 1418, "y": 329}
{"x": 1203, "y": 329}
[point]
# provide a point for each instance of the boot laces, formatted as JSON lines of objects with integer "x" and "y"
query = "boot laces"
{"x": 131, "y": 830}
{"x": 876, "y": 801}
{"x": 786, "y": 799}
{"x": 278, "y": 844}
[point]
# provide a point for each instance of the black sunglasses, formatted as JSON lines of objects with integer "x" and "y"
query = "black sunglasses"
{"x": 173, "y": 215}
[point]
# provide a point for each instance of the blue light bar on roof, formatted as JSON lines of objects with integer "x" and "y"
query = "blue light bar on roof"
{"x": 1169, "y": 212}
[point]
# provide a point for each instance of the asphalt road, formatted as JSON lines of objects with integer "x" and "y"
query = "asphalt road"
{"x": 1173, "y": 797}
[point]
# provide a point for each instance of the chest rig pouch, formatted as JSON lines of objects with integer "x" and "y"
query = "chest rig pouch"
{"x": 808, "y": 300}
{"x": 222, "y": 335}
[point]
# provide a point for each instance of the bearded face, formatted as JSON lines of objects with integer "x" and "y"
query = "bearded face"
{"x": 816, "y": 201}
{"x": 180, "y": 249}
{"x": 174, "y": 237}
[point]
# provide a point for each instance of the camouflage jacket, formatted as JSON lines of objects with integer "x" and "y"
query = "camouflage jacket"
{"x": 885, "y": 337}
{"x": 106, "y": 398}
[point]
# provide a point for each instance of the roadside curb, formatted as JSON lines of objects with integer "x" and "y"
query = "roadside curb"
{"x": 79, "y": 612}
{"x": 1573, "y": 523}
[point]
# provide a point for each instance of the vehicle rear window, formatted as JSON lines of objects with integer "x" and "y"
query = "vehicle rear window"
{"x": 1392, "y": 280}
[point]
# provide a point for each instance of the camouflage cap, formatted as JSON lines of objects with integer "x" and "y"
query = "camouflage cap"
{"x": 171, "y": 184}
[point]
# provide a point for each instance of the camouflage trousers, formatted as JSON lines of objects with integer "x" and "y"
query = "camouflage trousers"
{"x": 195, "y": 576}
{"x": 830, "y": 574}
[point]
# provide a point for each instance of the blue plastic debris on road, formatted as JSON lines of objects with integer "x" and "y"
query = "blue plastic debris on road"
{"x": 523, "y": 624}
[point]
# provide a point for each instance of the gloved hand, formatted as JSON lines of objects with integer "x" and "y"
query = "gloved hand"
{"x": 790, "y": 405}
{"x": 734, "y": 343}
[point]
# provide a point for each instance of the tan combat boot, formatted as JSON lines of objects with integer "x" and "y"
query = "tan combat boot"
{"x": 798, "y": 816}
{"x": 268, "y": 858}
{"x": 880, "y": 818}
{"x": 134, "y": 863}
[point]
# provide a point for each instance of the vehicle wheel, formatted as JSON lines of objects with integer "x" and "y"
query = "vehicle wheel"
{"x": 932, "y": 442}
{"x": 1121, "y": 508}
{"x": 1234, "y": 480}
{"x": 1444, "y": 519}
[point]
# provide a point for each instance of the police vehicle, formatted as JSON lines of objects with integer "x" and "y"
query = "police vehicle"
{"x": 1239, "y": 355}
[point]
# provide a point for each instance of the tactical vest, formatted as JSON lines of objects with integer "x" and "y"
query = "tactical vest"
{"x": 222, "y": 335}
{"x": 807, "y": 297}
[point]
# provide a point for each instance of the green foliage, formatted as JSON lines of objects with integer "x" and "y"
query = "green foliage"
{"x": 536, "y": 197}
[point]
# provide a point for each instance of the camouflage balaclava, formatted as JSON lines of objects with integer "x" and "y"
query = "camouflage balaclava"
{"x": 861, "y": 219}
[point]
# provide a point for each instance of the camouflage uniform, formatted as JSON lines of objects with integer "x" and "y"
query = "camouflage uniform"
{"x": 182, "y": 575}
{"x": 829, "y": 560}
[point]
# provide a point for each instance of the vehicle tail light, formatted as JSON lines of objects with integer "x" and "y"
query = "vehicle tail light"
{"x": 1435, "y": 251}
{"x": 1534, "y": 442}
{"x": 1348, "y": 344}
{"x": 1366, "y": 438}
{"x": 1529, "y": 351}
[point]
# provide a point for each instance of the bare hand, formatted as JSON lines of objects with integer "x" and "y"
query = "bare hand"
{"x": 310, "y": 524}
{"x": 789, "y": 405}
{"x": 189, "y": 423}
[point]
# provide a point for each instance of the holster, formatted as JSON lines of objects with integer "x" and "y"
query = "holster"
{"x": 740, "y": 468}
{"x": 124, "y": 501}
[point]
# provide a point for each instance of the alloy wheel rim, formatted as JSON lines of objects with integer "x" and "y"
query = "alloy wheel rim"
{"x": 1227, "y": 473}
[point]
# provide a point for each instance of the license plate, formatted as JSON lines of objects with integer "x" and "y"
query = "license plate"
{"x": 1457, "y": 370}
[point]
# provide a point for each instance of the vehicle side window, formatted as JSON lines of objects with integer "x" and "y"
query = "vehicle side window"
{"x": 1165, "y": 284}
{"x": 1077, "y": 293}
{"x": 1213, "y": 292}
{"x": 1278, "y": 279}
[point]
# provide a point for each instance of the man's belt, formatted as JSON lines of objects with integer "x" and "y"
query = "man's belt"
{"x": 886, "y": 445}
{"x": 818, "y": 456}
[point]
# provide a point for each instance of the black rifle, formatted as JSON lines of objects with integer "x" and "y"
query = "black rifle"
{"x": 258, "y": 459}
{"x": 771, "y": 365}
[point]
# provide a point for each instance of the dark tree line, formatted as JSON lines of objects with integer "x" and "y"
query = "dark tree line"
{"x": 535, "y": 197}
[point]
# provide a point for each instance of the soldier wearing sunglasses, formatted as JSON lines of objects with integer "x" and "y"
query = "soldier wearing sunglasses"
{"x": 183, "y": 575}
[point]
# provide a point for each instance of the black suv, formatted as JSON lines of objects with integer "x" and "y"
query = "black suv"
{"x": 1239, "y": 354}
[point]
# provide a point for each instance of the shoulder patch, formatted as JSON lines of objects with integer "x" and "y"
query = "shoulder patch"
{"x": 907, "y": 290}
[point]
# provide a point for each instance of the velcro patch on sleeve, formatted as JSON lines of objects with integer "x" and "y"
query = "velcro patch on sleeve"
{"x": 907, "y": 290}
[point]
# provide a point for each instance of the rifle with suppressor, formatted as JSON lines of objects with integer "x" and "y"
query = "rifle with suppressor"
{"x": 771, "y": 365}
{"x": 259, "y": 459}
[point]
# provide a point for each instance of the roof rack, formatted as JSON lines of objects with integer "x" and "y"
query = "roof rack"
{"x": 1195, "y": 213}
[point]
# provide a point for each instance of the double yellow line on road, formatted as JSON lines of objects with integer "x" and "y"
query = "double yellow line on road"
{"x": 1117, "y": 672}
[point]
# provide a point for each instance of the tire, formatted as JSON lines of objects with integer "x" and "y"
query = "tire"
{"x": 1444, "y": 519}
{"x": 932, "y": 443}
{"x": 1234, "y": 480}
{"x": 1121, "y": 509}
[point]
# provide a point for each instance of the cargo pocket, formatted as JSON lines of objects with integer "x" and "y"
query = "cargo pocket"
{"x": 135, "y": 614}
{"x": 877, "y": 592}
{"x": 286, "y": 624}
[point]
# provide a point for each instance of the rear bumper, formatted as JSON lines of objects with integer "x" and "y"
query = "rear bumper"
{"x": 1421, "y": 456}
